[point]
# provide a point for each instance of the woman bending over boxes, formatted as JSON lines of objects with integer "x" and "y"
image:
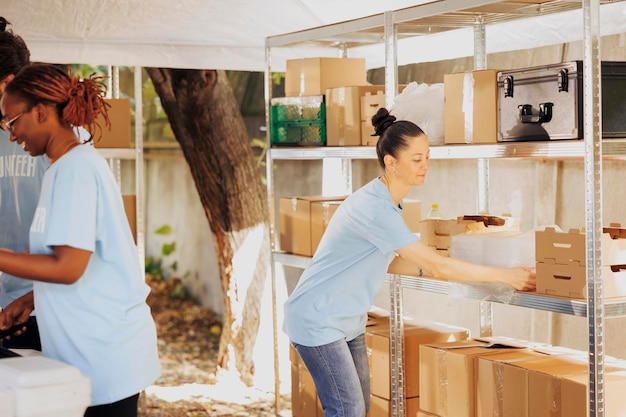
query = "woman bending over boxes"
{"x": 326, "y": 313}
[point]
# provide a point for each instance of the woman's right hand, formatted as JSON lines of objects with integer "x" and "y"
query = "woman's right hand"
{"x": 17, "y": 312}
{"x": 522, "y": 279}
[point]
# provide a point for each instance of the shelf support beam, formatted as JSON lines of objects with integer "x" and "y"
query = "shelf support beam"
{"x": 593, "y": 200}
{"x": 396, "y": 347}
{"x": 391, "y": 60}
{"x": 269, "y": 172}
{"x": 482, "y": 166}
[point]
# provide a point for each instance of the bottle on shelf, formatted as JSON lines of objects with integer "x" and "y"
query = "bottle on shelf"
{"x": 434, "y": 212}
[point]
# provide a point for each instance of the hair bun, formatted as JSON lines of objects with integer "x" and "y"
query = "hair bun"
{"x": 3, "y": 24}
{"x": 382, "y": 120}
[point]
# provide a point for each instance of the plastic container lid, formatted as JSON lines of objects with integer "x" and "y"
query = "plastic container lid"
{"x": 36, "y": 371}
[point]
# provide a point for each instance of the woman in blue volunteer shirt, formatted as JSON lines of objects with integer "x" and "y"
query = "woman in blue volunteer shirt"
{"x": 326, "y": 313}
{"x": 89, "y": 287}
{"x": 20, "y": 184}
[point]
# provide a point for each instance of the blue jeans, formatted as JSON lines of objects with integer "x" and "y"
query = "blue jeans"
{"x": 341, "y": 375}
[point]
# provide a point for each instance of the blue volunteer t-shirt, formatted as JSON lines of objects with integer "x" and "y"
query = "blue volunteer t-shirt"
{"x": 101, "y": 324}
{"x": 335, "y": 291}
{"x": 20, "y": 185}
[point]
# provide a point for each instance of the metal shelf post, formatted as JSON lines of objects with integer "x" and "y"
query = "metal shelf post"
{"x": 593, "y": 201}
{"x": 396, "y": 347}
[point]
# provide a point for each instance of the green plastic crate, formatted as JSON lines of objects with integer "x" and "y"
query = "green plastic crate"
{"x": 299, "y": 133}
{"x": 298, "y": 109}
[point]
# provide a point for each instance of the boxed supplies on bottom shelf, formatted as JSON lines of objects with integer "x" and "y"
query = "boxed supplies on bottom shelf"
{"x": 447, "y": 376}
{"x": 380, "y": 407}
{"x": 305, "y": 402}
{"x": 416, "y": 333}
{"x": 511, "y": 378}
{"x": 545, "y": 383}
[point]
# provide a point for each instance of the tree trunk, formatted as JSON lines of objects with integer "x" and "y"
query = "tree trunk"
{"x": 207, "y": 123}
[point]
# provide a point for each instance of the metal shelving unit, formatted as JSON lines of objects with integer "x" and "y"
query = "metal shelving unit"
{"x": 436, "y": 17}
{"x": 114, "y": 156}
{"x": 558, "y": 150}
{"x": 613, "y": 307}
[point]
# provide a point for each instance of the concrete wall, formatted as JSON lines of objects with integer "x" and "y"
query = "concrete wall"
{"x": 172, "y": 200}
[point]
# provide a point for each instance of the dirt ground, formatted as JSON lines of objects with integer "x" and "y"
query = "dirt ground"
{"x": 188, "y": 344}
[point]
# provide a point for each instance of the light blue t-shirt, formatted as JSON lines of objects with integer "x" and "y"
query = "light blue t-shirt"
{"x": 335, "y": 291}
{"x": 20, "y": 184}
{"x": 101, "y": 324}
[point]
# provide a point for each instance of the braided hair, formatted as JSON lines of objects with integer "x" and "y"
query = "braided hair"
{"x": 393, "y": 133}
{"x": 79, "y": 102}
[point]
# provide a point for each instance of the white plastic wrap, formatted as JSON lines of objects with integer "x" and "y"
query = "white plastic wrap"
{"x": 422, "y": 104}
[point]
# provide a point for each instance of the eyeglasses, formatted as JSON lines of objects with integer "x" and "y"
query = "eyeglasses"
{"x": 8, "y": 124}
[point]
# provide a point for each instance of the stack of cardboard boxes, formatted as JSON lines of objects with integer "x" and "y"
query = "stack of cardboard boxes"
{"x": 481, "y": 379}
{"x": 348, "y": 103}
{"x": 446, "y": 374}
{"x": 416, "y": 333}
{"x": 561, "y": 262}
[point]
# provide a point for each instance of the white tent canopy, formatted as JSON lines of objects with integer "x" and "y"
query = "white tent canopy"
{"x": 230, "y": 34}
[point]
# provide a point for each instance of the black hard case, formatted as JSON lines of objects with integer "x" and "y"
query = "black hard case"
{"x": 546, "y": 102}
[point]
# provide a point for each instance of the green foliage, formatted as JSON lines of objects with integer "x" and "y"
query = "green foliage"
{"x": 278, "y": 77}
{"x": 155, "y": 266}
{"x": 166, "y": 229}
{"x": 168, "y": 248}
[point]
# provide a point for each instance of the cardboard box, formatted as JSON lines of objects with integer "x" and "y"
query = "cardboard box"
{"x": 119, "y": 136}
{"x": 295, "y": 223}
{"x": 367, "y": 130}
{"x": 343, "y": 114}
{"x": 448, "y": 376}
{"x": 571, "y": 280}
{"x": 561, "y": 262}
{"x": 438, "y": 233}
{"x": 370, "y": 103}
{"x": 412, "y": 214}
{"x": 544, "y": 387}
{"x": 304, "y": 399}
{"x": 502, "y": 387}
{"x": 415, "y": 334}
{"x": 574, "y": 394}
{"x": 312, "y": 76}
{"x": 321, "y": 213}
{"x": 130, "y": 207}
{"x": 470, "y": 107}
{"x": 381, "y": 407}
{"x": 422, "y": 413}
{"x": 563, "y": 247}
